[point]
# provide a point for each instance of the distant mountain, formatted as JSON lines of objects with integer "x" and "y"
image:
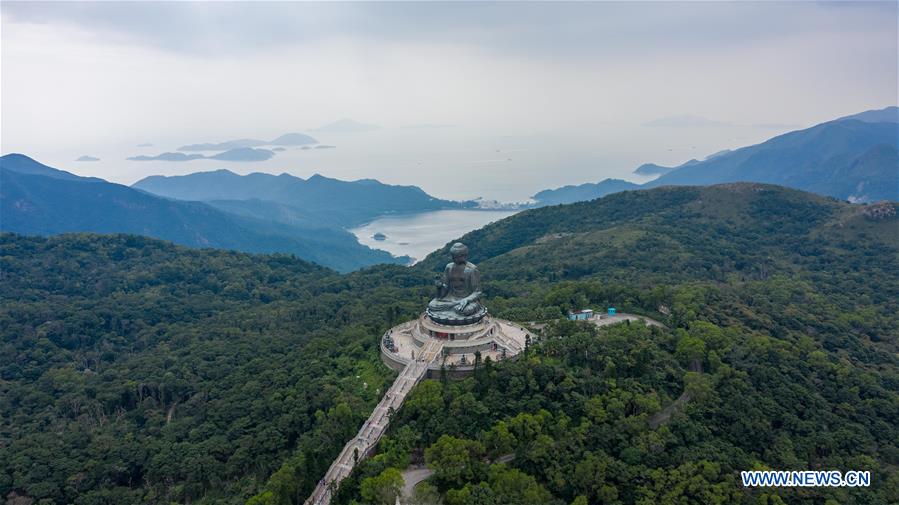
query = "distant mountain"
{"x": 588, "y": 191}
{"x": 40, "y": 200}
{"x": 24, "y": 165}
{"x": 849, "y": 159}
{"x": 236, "y": 154}
{"x": 288, "y": 139}
{"x": 348, "y": 203}
{"x": 852, "y": 158}
{"x": 273, "y": 211}
{"x": 346, "y": 126}
{"x": 293, "y": 139}
{"x": 719, "y": 153}
{"x": 653, "y": 169}
{"x": 167, "y": 157}
{"x": 862, "y": 179}
{"x": 223, "y": 146}
{"x": 885, "y": 115}
{"x": 243, "y": 154}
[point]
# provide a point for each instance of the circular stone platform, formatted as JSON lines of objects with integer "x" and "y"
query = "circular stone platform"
{"x": 497, "y": 339}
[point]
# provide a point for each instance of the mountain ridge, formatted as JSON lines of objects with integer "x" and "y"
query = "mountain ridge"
{"x": 831, "y": 158}
{"x": 586, "y": 191}
{"x": 794, "y": 159}
{"x": 37, "y": 203}
{"x": 349, "y": 203}
{"x": 545, "y": 226}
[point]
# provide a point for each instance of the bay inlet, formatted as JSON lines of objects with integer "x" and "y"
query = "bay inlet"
{"x": 417, "y": 235}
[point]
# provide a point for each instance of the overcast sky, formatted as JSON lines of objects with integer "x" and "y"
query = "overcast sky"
{"x": 473, "y": 99}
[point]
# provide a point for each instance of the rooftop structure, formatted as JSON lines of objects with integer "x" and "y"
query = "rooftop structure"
{"x": 580, "y": 315}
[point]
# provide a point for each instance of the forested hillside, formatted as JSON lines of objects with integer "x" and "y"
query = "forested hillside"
{"x": 169, "y": 374}
{"x": 785, "y": 301}
{"x": 137, "y": 371}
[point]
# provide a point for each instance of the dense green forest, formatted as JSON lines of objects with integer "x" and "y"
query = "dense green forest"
{"x": 787, "y": 303}
{"x": 139, "y": 371}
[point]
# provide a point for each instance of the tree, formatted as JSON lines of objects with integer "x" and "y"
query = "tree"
{"x": 426, "y": 494}
{"x": 382, "y": 489}
{"x": 515, "y": 486}
{"x": 690, "y": 350}
{"x": 698, "y": 385}
{"x": 499, "y": 441}
{"x": 455, "y": 460}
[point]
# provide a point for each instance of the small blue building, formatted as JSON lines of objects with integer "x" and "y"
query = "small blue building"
{"x": 611, "y": 311}
{"x": 580, "y": 315}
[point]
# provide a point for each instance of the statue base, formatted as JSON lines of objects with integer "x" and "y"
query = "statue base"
{"x": 454, "y": 319}
{"x": 495, "y": 339}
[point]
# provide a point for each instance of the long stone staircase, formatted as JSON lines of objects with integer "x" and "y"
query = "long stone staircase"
{"x": 367, "y": 439}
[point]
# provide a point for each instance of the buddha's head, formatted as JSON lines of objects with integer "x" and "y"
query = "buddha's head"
{"x": 459, "y": 251}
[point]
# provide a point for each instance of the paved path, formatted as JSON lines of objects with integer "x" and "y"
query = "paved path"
{"x": 513, "y": 345}
{"x": 376, "y": 425}
{"x": 411, "y": 477}
{"x": 606, "y": 320}
{"x": 663, "y": 416}
{"x": 415, "y": 474}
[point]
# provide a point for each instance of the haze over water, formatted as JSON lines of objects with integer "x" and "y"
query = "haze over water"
{"x": 491, "y": 99}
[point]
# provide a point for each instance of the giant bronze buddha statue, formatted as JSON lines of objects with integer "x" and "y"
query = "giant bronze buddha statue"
{"x": 458, "y": 291}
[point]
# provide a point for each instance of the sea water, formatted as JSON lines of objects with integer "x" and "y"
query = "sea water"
{"x": 417, "y": 235}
